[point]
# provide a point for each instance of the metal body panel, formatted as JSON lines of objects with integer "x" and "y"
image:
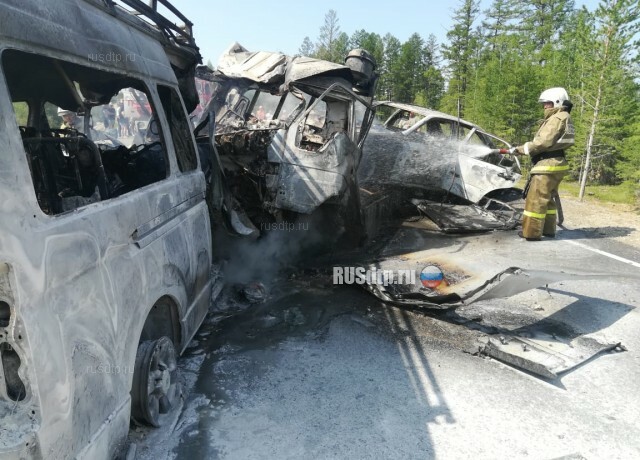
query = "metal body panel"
{"x": 84, "y": 33}
{"x": 85, "y": 289}
{"x": 275, "y": 68}
{"x": 304, "y": 182}
{"x": 81, "y": 283}
{"x": 413, "y": 157}
{"x": 475, "y": 178}
{"x": 260, "y": 66}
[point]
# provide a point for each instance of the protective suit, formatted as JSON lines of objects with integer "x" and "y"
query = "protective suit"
{"x": 549, "y": 164}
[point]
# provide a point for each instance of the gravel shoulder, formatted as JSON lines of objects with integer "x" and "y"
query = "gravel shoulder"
{"x": 620, "y": 222}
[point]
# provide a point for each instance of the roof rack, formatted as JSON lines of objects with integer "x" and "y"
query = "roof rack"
{"x": 182, "y": 34}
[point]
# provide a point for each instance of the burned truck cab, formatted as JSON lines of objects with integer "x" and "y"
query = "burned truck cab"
{"x": 289, "y": 133}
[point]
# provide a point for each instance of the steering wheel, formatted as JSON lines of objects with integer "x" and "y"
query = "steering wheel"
{"x": 67, "y": 132}
{"x": 138, "y": 149}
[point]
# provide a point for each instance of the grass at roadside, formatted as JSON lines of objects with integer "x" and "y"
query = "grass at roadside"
{"x": 626, "y": 192}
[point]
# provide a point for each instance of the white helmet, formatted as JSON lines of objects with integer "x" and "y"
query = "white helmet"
{"x": 555, "y": 95}
{"x": 62, "y": 111}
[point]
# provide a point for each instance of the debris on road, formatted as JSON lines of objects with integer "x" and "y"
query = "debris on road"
{"x": 467, "y": 218}
{"x": 507, "y": 283}
{"x": 255, "y": 292}
{"x": 544, "y": 355}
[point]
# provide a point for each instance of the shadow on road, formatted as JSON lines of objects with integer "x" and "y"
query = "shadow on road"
{"x": 589, "y": 314}
{"x": 316, "y": 371}
{"x": 419, "y": 371}
{"x": 591, "y": 233}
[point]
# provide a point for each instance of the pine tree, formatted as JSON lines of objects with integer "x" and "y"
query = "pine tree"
{"x": 629, "y": 166}
{"x": 340, "y": 48}
{"x": 431, "y": 86}
{"x": 499, "y": 22}
{"x": 329, "y": 38}
{"x": 307, "y": 48}
{"x": 463, "y": 40}
{"x": 573, "y": 67}
{"x": 388, "y": 67}
{"x": 409, "y": 70}
{"x": 371, "y": 42}
{"x": 543, "y": 19}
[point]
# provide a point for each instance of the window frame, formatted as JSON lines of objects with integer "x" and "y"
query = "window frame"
{"x": 190, "y": 140}
{"x": 37, "y": 112}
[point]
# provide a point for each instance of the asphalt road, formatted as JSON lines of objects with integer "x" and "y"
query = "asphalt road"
{"x": 326, "y": 371}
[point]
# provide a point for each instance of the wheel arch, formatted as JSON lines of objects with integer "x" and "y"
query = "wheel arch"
{"x": 163, "y": 320}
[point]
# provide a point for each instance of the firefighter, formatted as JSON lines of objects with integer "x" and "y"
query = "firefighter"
{"x": 549, "y": 165}
{"x": 69, "y": 119}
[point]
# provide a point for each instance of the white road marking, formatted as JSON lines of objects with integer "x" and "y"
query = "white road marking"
{"x": 604, "y": 253}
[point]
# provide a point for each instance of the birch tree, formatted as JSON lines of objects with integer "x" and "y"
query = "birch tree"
{"x": 617, "y": 25}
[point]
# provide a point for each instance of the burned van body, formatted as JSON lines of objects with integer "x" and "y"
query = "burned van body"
{"x": 289, "y": 133}
{"x": 105, "y": 241}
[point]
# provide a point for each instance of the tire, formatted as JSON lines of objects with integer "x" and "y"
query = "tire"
{"x": 155, "y": 389}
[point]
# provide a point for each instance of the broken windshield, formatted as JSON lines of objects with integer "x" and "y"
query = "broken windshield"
{"x": 334, "y": 111}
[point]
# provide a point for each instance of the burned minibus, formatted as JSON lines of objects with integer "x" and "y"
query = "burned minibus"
{"x": 289, "y": 133}
{"x": 105, "y": 241}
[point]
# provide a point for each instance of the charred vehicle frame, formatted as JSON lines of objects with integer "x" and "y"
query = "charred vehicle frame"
{"x": 463, "y": 156}
{"x": 289, "y": 134}
{"x": 105, "y": 246}
{"x": 449, "y": 168}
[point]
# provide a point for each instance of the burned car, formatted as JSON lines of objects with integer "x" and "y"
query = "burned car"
{"x": 430, "y": 150}
{"x": 431, "y": 157}
{"x": 289, "y": 133}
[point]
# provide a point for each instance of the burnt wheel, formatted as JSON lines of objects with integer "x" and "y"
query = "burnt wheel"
{"x": 155, "y": 389}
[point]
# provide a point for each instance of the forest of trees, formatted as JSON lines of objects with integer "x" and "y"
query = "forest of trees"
{"x": 495, "y": 63}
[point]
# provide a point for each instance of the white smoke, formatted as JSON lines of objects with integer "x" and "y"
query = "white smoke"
{"x": 279, "y": 248}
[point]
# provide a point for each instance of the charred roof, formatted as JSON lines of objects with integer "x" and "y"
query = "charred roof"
{"x": 127, "y": 37}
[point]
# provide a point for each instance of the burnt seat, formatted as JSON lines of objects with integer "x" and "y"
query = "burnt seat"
{"x": 63, "y": 165}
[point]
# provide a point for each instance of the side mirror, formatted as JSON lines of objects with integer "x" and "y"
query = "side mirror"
{"x": 152, "y": 127}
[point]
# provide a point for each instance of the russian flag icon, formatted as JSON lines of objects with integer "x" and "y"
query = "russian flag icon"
{"x": 431, "y": 276}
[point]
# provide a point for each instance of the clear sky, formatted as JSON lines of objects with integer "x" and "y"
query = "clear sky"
{"x": 281, "y": 25}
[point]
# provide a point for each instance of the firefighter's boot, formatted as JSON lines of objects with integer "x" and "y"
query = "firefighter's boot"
{"x": 549, "y": 228}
